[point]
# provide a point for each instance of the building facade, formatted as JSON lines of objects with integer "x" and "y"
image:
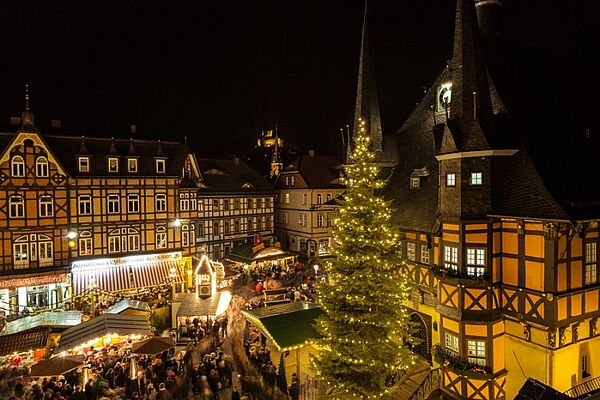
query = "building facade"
{"x": 307, "y": 190}
{"x": 505, "y": 268}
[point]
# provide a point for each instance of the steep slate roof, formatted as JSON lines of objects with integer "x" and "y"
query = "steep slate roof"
{"x": 231, "y": 176}
{"x": 319, "y": 172}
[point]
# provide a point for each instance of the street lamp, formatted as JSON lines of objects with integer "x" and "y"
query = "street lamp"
{"x": 177, "y": 223}
{"x": 172, "y": 276}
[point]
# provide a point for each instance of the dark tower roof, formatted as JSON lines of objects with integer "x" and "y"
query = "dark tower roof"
{"x": 159, "y": 150}
{"x": 27, "y": 117}
{"x": 112, "y": 150}
{"x": 83, "y": 150}
{"x": 131, "y": 151}
{"x": 367, "y": 102}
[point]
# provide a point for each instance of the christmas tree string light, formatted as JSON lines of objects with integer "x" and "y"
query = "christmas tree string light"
{"x": 365, "y": 328}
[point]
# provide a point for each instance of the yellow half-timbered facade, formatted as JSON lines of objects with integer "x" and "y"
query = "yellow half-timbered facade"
{"x": 505, "y": 269}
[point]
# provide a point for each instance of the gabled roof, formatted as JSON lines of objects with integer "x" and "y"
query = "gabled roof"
{"x": 319, "y": 172}
{"x": 231, "y": 176}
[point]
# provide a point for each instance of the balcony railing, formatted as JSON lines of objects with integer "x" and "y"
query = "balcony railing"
{"x": 585, "y": 389}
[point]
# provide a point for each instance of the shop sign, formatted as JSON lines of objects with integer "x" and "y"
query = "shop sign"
{"x": 258, "y": 247}
{"x": 38, "y": 280}
{"x": 113, "y": 262}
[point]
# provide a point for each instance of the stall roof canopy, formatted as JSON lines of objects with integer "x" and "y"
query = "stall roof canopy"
{"x": 192, "y": 306}
{"x": 24, "y": 341}
{"x": 248, "y": 253}
{"x": 128, "y": 304}
{"x": 104, "y": 325}
{"x": 56, "y": 319}
{"x": 287, "y": 325}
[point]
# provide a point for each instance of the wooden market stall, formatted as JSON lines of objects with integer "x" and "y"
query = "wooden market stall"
{"x": 130, "y": 307}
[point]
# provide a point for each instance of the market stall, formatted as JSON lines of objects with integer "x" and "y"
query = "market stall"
{"x": 263, "y": 259}
{"x": 130, "y": 307}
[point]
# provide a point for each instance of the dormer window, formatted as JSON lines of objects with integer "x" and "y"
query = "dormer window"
{"x": 476, "y": 178}
{"x": 161, "y": 166}
{"x": 17, "y": 166}
{"x": 132, "y": 165}
{"x": 415, "y": 183}
{"x": 113, "y": 164}
{"x": 84, "y": 164}
{"x": 41, "y": 167}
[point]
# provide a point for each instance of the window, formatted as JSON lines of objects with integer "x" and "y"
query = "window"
{"x": 292, "y": 180}
{"x": 45, "y": 253}
{"x": 236, "y": 226}
{"x": 185, "y": 236}
{"x": 133, "y": 203}
{"x": 85, "y": 204}
{"x": 114, "y": 244}
{"x": 585, "y": 373}
{"x": 84, "y": 164}
{"x": 133, "y": 240}
{"x": 236, "y": 204}
{"x": 319, "y": 220}
{"x": 132, "y": 165}
{"x": 452, "y": 344}
{"x": 250, "y": 224}
{"x": 301, "y": 219}
{"x": 113, "y": 164}
{"x": 215, "y": 228}
{"x": 267, "y": 202}
{"x": 415, "y": 182}
{"x": 161, "y": 166}
{"x": 263, "y": 202}
{"x": 41, "y": 167}
{"x": 16, "y": 207}
{"x": 287, "y": 181}
{"x": 286, "y": 218}
{"x": 215, "y": 205}
{"x": 226, "y": 228}
{"x": 476, "y": 178}
{"x": 21, "y": 255}
{"x": 304, "y": 199}
{"x": 184, "y": 202}
{"x": 591, "y": 265}
{"x": 85, "y": 244}
{"x": 193, "y": 201}
{"x": 424, "y": 254}
{"x": 323, "y": 247}
{"x": 226, "y": 204}
{"x": 476, "y": 352}
{"x": 161, "y": 237}
{"x": 476, "y": 262}
{"x": 17, "y": 166}
{"x": 46, "y": 206}
{"x": 113, "y": 204}
{"x": 287, "y": 198}
{"x": 319, "y": 198}
{"x": 451, "y": 258}
{"x": 268, "y": 226}
{"x": 160, "y": 202}
{"x": 410, "y": 251}
{"x": 263, "y": 223}
{"x": 329, "y": 220}
{"x": 450, "y": 180}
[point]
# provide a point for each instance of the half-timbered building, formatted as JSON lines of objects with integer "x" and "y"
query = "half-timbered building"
{"x": 505, "y": 264}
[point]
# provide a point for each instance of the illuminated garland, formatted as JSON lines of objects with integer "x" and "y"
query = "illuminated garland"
{"x": 365, "y": 326}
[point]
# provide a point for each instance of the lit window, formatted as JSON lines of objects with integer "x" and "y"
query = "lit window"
{"x": 215, "y": 205}
{"x": 267, "y": 203}
{"x": 41, "y": 167}
{"x": 114, "y": 244}
{"x": 324, "y": 247}
{"x": 476, "y": 352}
{"x": 85, "y": 244}
{"x": 113, "y": 164}
{"x": 161, "y": 166}
{"x": 226, "y": 227}
{"x": 184, "y": 202}
{"x": 263, "y": 223}
{"x": 132, "y": 165}
{"x": 226, "y": 204}
{"x": 133, "y": 240}
{"x": 292, "y": 180}
{"x": 45, "y": 252}
{"x": 133, "y": 203}
{"x": 21, "y": 254}
{"x": 476, "y": 262}
{"x": 85, "y": 205}
{"x": 161, "y": 202}
{"x": 16, "y": 207}
{"x": 476, "y": 178}
{"x": 410, "y": 251}
{"x": 161, "y": 237}
{"x": 319, "y": 198}
{"x": 287, "y": 181}
{"x": 424, "y": 254}
{"x": 451, "y": 258}
{"x": 319, "y": 220}
{"x": 451, "y": 343}
{"x": 236, "y": 226}
{"x": 287, "y": 198}
{"x": 286, "y": 218}
{"x": 415, "y": 182}
{"x": 591, "y": 265}
{"x": 84, "y": 164}
{"x": 46, "y": 206}
{"x": 450, "y": 179}
{"x": 113, "y": 205}
{"x": 17, "y": 166}
{"x": 185, "y": 236}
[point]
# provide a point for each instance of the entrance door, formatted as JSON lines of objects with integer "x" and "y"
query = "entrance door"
{"x": 423, "y": 334}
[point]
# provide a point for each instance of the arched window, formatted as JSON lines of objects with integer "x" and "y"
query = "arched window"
{"x": 41, "y": 167}
{"x": 17, "y": 166}
{"x": 133, "y": 239}
{"x": 46, "y": 206}
{"x": 185, "y": 236}
{"x": 45, "y": 252}
{"x": 21, "y": 252}
{"x": 16, "y": 207}
{"x": 85, "y": 243}
{"x": 161, "y": 237}
{"x": 114, "y": 241}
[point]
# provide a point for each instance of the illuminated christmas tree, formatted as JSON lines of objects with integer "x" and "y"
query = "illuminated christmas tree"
{"x": 365, "y": 327}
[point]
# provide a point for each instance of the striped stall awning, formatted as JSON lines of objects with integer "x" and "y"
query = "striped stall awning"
{"x": 113, "y": 278}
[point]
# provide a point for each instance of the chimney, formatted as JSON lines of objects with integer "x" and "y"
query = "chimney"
{"x": 236, "y": 161}
{"x": 132, "y": 128}
{"x": 311, "y": 153}
{"x": 55, "y": 123}
{"x": 15, "y": 121}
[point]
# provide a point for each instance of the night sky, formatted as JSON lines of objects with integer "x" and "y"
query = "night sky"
{"x": 221, "y": 71}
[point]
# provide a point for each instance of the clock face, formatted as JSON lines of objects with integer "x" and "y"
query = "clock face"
{"x": 444, "y": 96}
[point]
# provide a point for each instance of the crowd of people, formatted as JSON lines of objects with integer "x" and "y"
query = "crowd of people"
{"x": 195, "y": 330}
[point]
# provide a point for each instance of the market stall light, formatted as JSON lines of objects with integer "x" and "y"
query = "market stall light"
{"x": 71, "y": 235}
{"x": 177, "y": 223}
{"x": 224, "y": 301}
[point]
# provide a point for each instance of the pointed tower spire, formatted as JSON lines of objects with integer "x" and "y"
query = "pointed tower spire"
{"x": 367, "y": 102}
{"x": 470, "y": 88}
{"x": 27, "y": 117}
